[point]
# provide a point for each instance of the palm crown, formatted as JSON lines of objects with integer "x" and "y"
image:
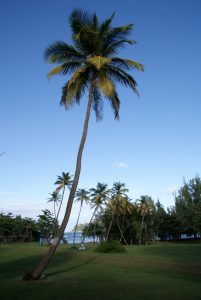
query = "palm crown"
{"x": 82, "y": 195}
{"x": 99, "y": 195}
{"x": 63, "y": 180}
{"x": 91, "y": 61}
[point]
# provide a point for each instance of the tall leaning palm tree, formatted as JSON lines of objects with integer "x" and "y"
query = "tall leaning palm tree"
{"x": 81, "y": 196}
{"x": 93, "y": 68}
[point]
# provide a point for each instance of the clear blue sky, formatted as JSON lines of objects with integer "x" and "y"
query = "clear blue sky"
{"x": 157, "y": 140}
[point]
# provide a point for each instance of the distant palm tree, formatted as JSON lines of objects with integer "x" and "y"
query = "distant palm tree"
{"x": 94, "y": 68}
{"x": 126, "y": 209}
{"x": 81, "y": 196}
{"x": 63, "y": 181}
{"x": 98, "y": 197}
{"x": 118, "y": 194}
{"x": 145, "y": 207}
{"x": 55, "y": 198}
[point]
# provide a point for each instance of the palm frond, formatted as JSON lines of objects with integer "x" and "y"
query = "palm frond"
{"x": 115, "y": 104}
{"x": 105, "y": 26}
{"x": 95, "y": 22}
{"x": 118, "y": 33}
{"x": 126, "y": 64}
{"x": 60, "y": 52}
{"x": 78, "y": 19}
{"x": 116, "y": 45}
{"x": 66, "y": 68}
{"x": 75, "y": 88}
{"x": 123, "y": 78}
{"x": 105, "y": 85}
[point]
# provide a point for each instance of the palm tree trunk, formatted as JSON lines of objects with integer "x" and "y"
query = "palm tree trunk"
{"x": 95, "y": 224}
{"x": 37, "y": 271}
{"x": 122, "y": 236}
{"x": 112, "y": 220}
{"x": 122, "y": 228}
{"x": 145, "y": 233}
{"x": 60, "y": 203}
{"x": 140, "y": 235}
{"x": 82, "y": 242}
{"x": 53, "y": 229}
{"x": 55, "y": 215}
{"x": 77, "y": 222}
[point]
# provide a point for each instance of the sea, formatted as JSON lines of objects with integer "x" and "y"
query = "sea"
{"x": 78, "y": 237}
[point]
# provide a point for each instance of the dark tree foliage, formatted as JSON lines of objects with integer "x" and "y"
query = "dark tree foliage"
{"x": 147, "y": 221}
{"x": 15, "y": 228}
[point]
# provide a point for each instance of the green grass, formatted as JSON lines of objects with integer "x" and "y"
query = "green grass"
{"x": 162, "y": 271}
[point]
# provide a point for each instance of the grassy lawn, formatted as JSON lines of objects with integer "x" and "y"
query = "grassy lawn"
{"x": 162, "y": 271}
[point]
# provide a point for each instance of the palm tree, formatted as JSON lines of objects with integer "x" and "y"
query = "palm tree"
{"x": 126, "y": 209}
{"x": 63, "y": 181}
{"x": 118, "y": 195}
{"x": 99, "y": 196}
{"x": 145, "y": 207}
{"x": 81, "y": 196}
{"x": 55, "y": 198}
{"x": 93, "y": 67}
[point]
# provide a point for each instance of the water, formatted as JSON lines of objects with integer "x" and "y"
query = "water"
{"x": 78, "y": 237}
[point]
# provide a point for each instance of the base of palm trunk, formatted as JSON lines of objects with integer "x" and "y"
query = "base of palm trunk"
{"x": 30, "y": 277}
{"x": 37, "y": 272}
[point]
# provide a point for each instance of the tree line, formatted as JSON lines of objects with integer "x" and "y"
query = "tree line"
{"x": 114, "y": 215}
{"x": 139, "y": 221}
{"x": 18, "y": 229}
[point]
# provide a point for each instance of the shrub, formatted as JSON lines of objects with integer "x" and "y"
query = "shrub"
{"x": 110, "y": 246}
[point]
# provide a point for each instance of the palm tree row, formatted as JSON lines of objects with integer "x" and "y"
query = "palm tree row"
{"x": 119, "y": 209}
{"x": 114, "y": 199}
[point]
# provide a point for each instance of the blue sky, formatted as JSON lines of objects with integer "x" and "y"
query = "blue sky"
{"x": 157, "y": 140}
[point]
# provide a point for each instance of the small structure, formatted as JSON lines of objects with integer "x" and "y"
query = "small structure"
{"x": 82, "y": 247}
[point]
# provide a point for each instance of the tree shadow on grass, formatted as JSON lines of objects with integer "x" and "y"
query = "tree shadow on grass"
{"x": 19, "y": 266}
{"x": 84, "y": 263}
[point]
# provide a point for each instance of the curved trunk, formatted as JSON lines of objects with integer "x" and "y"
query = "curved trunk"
{"x": 122, "y": 235}
{"x": 145, "y": 233}
{"x": 94, "y": 237}
{"x": 77, "y": 223}
{"x": 122, "y": 228}
{"x": 112, "y": 220}
{"x": 60, "y": 203}
{"x": 41, "y": 266}
{"x": 55, "y": 215}
{"x": 82, "y": 242}
{"x": 140, "y": 235}
{"x": 53, "y": 228}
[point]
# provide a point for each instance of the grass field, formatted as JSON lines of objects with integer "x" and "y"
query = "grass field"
{"x": 162, "y": 271}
